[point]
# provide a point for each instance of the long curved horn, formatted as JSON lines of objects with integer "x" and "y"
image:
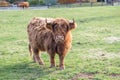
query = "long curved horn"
{"x": 46, "y": 20}
{"x": 72, "y": 21}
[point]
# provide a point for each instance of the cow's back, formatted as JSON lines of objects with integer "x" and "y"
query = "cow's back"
{"x": 39, "y": 36}
{"x": 23, "y": 4}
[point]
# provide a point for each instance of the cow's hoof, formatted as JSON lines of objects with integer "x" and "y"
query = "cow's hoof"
{"x": 33, "y": 61}
{"x": 57, "y": 65}
{"x": 52, "y": 66}
{"x": 62, "y": 68}
{"x": 41, "y": 63}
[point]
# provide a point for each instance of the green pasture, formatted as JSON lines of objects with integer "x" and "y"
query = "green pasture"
{"x": 95, "y": 52}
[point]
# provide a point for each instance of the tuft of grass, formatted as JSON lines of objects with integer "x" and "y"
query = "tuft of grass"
{"x": 91, "y": 53}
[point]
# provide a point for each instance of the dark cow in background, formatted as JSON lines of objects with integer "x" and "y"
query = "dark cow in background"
{"x": 51, "y": 35}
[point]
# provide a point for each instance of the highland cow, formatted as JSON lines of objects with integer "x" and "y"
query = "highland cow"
{"x": 51, "y": 35}
{"x": 23, "y": 4}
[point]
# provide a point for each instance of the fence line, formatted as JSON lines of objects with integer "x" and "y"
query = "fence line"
{"x": 88, "y": 4}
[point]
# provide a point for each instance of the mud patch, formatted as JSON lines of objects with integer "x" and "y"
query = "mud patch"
{"x": 100, "y": 54}
{"x": 114, "y": 75}
{"x": 83, "y": 76}
{"x": 89, "y": 76}
{"x": 112, "y": 39}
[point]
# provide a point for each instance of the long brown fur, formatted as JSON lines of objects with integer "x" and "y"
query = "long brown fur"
{"x": 23, "y": 4}
{"x": 51, "y": 35}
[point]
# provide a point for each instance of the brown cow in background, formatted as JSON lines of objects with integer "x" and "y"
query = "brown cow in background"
{"x": 23, "y": 4}
{"x": 51, "y": 35}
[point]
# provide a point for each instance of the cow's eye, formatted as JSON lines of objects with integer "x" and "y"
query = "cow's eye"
{"x": 64, "y": 27}
{"x": 54, "y": 27}
{"x": 54, "y": 24}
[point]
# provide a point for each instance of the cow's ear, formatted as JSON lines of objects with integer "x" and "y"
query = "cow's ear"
{"x": 49, "y": 24}
{"x": 72, "y": 24}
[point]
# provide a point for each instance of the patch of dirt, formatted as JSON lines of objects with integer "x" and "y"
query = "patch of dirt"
{"x": 83, "y": 76}
{"x": 89, "y": 76}
{"x": 112, "y": 39}
{"x": 100, "y": 54}
{"x": 114, "y": 75}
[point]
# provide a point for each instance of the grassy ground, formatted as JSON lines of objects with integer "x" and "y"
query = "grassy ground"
{"x": 95, "y": 52}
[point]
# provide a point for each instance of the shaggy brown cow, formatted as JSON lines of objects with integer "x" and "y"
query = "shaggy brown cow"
{"x": 23, "y": 4}
{"x": 51, "y": 35}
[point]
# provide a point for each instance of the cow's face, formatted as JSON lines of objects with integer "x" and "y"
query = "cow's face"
{"x": 60, "y": 27}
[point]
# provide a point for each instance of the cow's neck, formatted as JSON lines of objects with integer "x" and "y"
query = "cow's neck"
{"x": 60, "y": 47}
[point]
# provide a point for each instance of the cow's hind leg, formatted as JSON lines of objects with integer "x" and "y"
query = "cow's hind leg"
{"x": 30, "y": 50}
{"x": 34, "y": 60}
{"x": 37, "y": 57}
{"x": 31, "y": 53}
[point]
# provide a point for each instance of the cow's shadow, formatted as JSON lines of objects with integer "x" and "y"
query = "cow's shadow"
{"x": 25, "y": 71}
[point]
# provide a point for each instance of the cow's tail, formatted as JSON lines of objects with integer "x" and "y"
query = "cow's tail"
{"x": 30, "y": 50}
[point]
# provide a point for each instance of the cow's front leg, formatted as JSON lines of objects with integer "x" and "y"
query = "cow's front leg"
{"x": 52, "y": 60}
{"x": 61, "y": 64}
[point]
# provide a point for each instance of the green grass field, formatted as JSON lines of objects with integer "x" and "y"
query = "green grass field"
{"x": 95, "y": 53}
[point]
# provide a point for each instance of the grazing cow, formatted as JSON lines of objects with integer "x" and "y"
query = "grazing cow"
{"x": 23, "y": 4}
{"x": 51, "y": 35}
